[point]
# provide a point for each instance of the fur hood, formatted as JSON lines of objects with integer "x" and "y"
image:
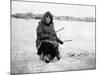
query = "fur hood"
{"x": 45, "y": 15}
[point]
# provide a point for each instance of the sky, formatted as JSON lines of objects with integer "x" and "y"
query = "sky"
{"x": 55, "y": 9}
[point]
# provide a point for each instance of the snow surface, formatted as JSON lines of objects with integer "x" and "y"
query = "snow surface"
{"x": 78, "y": 54}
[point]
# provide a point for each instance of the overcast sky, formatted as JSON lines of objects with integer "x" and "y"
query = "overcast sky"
{"x": 55, "y": 9}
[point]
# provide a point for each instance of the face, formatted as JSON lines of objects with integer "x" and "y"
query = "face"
{"x": 48, "y": 19}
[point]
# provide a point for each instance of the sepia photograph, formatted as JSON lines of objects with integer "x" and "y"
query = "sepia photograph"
{"x": 52, "y": 37}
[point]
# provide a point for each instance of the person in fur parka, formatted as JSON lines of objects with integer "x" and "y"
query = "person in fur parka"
{"x": 46, "y": 33}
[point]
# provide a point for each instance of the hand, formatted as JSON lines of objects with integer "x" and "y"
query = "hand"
{"x": 61, "y": 42}
{"x": 46, "y": 36}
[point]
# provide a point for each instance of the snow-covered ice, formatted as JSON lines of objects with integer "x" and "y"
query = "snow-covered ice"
{"x": 78, "y": 54}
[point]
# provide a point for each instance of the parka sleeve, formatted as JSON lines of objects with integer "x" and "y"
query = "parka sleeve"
{"x": 58, "y": 40}
{"x": 40, "y": 33}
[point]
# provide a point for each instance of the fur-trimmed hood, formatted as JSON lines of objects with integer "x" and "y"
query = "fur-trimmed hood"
{"x": 45, "y": 15}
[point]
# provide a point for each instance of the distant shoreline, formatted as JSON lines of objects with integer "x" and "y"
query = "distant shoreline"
{"x": 62, "y": 18}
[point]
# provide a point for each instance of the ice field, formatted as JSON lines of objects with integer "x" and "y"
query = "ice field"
{"x": 78, "y": 54}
